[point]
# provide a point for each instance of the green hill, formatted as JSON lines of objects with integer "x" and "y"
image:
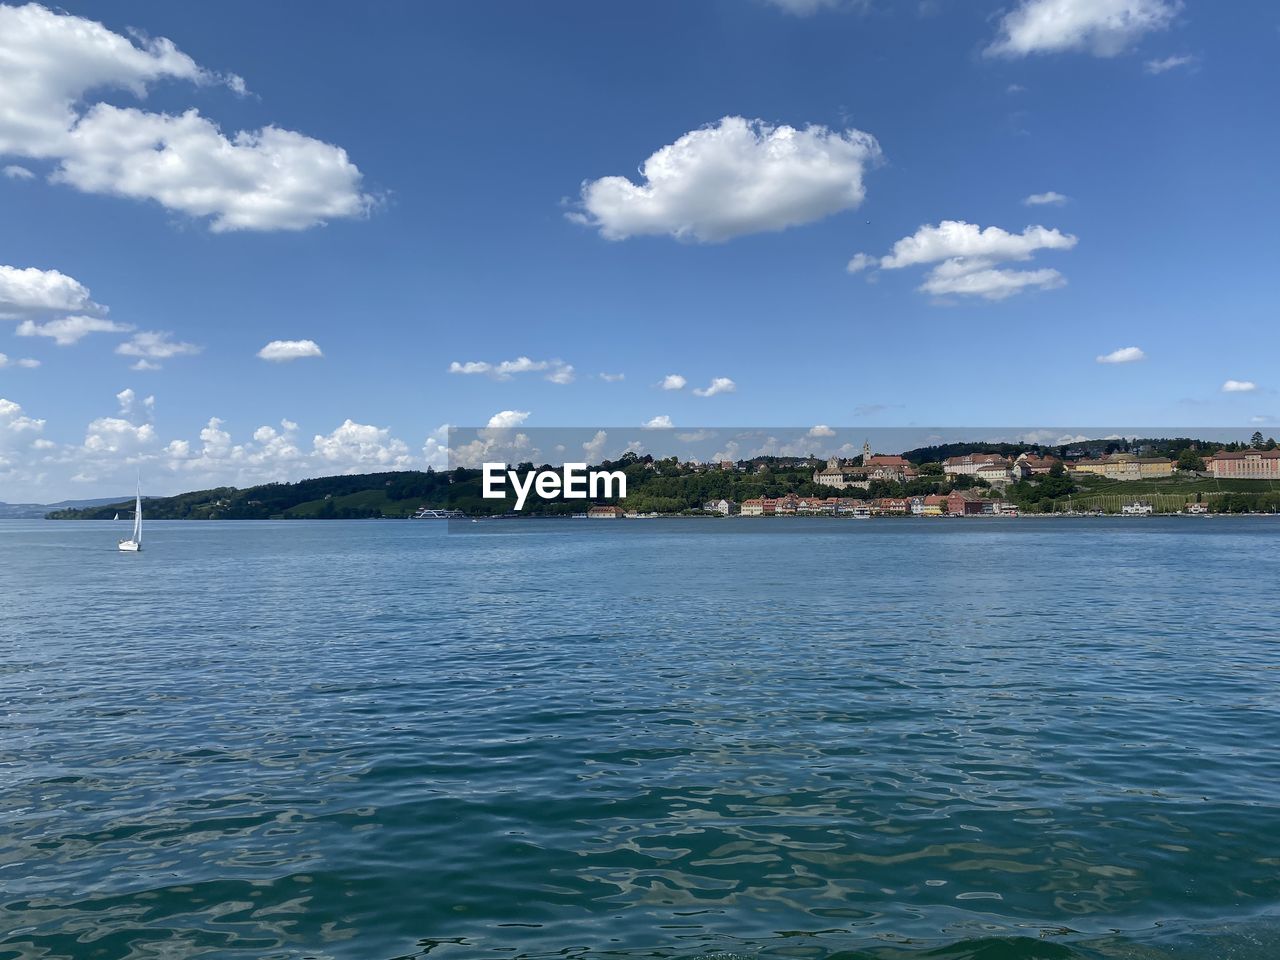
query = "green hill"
{"x": 357, "y": 496}
{"x": 658, "y": 486}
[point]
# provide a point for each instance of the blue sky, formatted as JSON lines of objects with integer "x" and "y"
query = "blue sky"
{"x": 434, "y": 195}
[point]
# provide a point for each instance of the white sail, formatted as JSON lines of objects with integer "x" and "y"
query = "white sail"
{"x": 134, "y": 543}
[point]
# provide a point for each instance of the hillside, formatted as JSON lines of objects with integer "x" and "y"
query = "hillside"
{"x": 34, "y": 511}
{"x": 358, "y": 496}
{"x": 653, "y": 486}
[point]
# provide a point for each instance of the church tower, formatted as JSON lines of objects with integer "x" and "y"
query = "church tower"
{"x": 866, "y": 453}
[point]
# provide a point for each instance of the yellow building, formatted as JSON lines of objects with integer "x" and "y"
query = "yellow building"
{"x": 1125, "y": 466}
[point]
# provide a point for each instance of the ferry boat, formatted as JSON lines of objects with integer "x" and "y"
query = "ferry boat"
{"x": 429, "y": 513}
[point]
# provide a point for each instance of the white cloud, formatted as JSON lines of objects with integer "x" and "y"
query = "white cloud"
{"x": 662, "y": 422}
{"x": 612, "y": 377}
{"x": 956, "y": 239}
{"x": 15, "y": 172}
{"x": 116, "y": 447}
{"x": 1104, "y": 28}
{"x": 860, "y": 262}
{"x": 27, "y": 362}
{"x": 805, "y": 8}
{"x": 1050, "y": 198}
{"x": 269, "y": 179}
{"x": 966, "y": 258}
{"x": 593, "y": 449}
{"x": 1123, "y": 355}
{"x": 717, "y": 385}
{"x": 733, "y": 178}
{"x": 356, "y": 446}
{"x": 115, "y": 435}
{"x": 557, "y": 371}
{"x": 506, "y": 419}
{"x": 673, "y": 381}
{"x": 561, "y": 374}
{"x": 65, "y": 331}
{"x": 821, "y": 430}
{"x": 1239, "y": 386}
{"x": 19, "y": 437}
{"x": 130, "y": 405}
{"x": 144, "y": 365}
{"x": 1156, "y": 67}
{"x": 695, "y": 436}
{"x": 28, "y": 289}
{"x": 155, "y": 345}
{"x": 280, "y": 351}
{"x": 960, "y": 277}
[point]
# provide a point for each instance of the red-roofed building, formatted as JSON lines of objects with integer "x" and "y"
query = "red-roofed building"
{"x": 1246, "y": 465}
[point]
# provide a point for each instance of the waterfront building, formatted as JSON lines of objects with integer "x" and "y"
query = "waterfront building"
{"x": 1245, "y": 465}
{"x": 964, "y": 503}
{"x": 934, "y": 505}
{"x": 605, "y": 513}
{"x": 968, "y": 465}
{"x": 1139, "y": 508}
{"x": 1197, "y": 508}
{"x": 721, "y": 506}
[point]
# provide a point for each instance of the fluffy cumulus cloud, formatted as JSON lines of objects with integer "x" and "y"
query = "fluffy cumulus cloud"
{"x": 673, "y": 381}
{"x": 593, "y": 449}
{"x": 732, "y": 178}
{"x": 1103, "y": 28}
{"x": 13, "y": 421}
{"x": 65, "y": 331}
{"x": 557, "y": 371}
{"x": 717, "y": 385}
{"x": 1050, "y": 198}
{"x": 281, "y": 351}
{"x": 268, "y": 179}
{"x": 16, "y": 172}
{"x": 27, "y": 362}
{"x": 152, "y": 345}
{"x": 1123, "y": 355}
{"x": 1239, "y": 386}
{"x": 354, "y": 446}
{"x": 20, "y": 443}
{"x": 115, "y": 447}
{"x": 966, "y": 259}
{"x": 821, "y": 430}
{"x": 26, "y": 290}
{"x": 508, "y": 419}
{"x": 661, "y": 422}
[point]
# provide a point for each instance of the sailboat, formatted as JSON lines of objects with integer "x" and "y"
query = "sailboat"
{"x": 116, "y": 517}
{"x": 134, "y": 543}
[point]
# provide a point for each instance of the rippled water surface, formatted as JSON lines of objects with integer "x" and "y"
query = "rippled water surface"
{"x": 373, "y": 740}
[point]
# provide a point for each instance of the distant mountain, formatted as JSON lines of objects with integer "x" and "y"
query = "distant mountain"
{"x": 34, "y": 511}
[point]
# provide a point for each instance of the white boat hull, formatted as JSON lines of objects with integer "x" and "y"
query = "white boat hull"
{"x": 130, "y": 546}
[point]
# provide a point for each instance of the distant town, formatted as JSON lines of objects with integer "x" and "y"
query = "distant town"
{"x": 985, "y": 484}
{"x": 1114, "y": 476}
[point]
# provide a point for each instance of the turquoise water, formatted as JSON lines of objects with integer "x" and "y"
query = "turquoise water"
{"x": 891, "y": 739}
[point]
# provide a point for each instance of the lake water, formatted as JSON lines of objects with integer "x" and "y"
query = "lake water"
{"x": 986, "y": 739}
